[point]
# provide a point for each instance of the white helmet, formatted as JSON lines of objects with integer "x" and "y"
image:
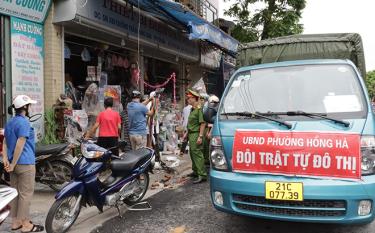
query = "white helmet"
{"x": 22, "y": 100}
{"x": 213, "y": 99}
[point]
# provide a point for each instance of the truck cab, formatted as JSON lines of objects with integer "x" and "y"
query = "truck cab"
{"x": 294, "y": 141}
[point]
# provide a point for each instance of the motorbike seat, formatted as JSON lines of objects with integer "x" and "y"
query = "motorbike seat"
{"x": 130, "y": 160}
{"x": 50, "y": 149}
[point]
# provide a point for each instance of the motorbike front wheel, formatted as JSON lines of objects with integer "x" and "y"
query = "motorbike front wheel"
{"x": 61, "y": 216}
{"x": 142, "y": 182}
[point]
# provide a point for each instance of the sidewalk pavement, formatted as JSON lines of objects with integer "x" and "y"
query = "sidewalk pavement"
{"x": 90, "y": 218}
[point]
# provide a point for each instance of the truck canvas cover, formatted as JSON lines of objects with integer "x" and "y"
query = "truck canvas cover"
{"x": 302, "y": 47}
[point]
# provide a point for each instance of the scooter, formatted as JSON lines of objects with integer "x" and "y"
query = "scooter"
{"x": 53, "y": 163}
{"x": 101, "y": 179}
{"x": 7, "y": 194}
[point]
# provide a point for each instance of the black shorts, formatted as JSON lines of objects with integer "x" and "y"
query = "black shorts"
{"x": 108, "y": 142}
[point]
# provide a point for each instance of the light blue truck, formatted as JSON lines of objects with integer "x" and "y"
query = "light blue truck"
{"x": 293, "y": 135}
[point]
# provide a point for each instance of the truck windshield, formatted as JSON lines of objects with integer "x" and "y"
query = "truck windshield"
{"x": 331, "y": 89}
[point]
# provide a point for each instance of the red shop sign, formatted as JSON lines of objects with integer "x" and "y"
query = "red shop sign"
{"x": 318, "y": 154}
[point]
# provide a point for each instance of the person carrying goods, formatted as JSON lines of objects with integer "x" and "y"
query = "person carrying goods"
{"x": 137, "y": 113}
{"x": 153, "y": 124}
{"x": 195, "y": 128}
{"x": 19, "y": 161}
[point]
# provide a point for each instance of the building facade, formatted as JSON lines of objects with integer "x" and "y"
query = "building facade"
{"x": 111, "y": 44}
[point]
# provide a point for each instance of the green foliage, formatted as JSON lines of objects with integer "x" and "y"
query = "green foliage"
{"x": 276, "y": 18}
{"x": 370, "y": 83}
{"x": 50, "y": 127}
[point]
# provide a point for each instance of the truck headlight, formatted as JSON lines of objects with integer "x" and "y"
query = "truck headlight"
{"x": 364, "y": 207}
{"x": 368, "y": 155}
{"x": 217, "y": 156}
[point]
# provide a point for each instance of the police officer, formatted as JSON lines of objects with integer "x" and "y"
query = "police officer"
{"x": 196, "y": 126}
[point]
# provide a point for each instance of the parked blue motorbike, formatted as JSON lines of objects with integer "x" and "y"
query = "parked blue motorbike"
{"x": 101, "y": 179}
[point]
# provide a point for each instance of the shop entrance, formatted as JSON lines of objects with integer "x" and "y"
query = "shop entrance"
{"x": 94, "y": 70}
{"x": 89, "y": 62}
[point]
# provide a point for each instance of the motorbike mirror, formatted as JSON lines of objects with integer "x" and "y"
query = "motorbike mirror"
{"x": 210, "y": 111}
{"x": 35, "y": 117}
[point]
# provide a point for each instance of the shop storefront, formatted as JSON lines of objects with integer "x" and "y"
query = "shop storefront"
{"x": 113, "y": 48}
{"x": 109, "y": 48}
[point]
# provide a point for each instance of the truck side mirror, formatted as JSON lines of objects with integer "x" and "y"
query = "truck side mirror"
{"x": 210, "y": 111}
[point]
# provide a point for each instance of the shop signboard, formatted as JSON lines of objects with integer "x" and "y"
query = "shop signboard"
{"x": 27, "y": 65}
{"x": 126, "y": 19}
{"x": 33, "y": 10}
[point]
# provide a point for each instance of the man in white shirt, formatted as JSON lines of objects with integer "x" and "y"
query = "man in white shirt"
{"x": 185, "y": 116}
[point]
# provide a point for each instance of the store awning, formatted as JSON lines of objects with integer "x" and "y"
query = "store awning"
{"x": 198, "y": 28}
{"x": 149, "y": 6}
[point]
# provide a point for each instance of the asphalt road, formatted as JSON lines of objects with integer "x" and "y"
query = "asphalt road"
{"x": 189, "y": 209}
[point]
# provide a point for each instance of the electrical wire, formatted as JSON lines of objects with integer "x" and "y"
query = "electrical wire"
{"x": 139, "y": 28}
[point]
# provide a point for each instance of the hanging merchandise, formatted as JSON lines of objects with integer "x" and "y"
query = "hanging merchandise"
{"x": 126, "y": 63}
{"x": 173, "y": 78}
{"x": 72, "y": 134}
{"x": 90, "y": 100}
{"x": 102, "y": 83}
{"x": 85, "y": 55}
{"x": 80, "y": 116}
{"x": 71, "y": 92}
{"x": 98, "y": 72}
{"x": 67, "y": 52}
{"x": 120, "y": 61}
{"x": 114, "y": 60}
{"x": 103, "y": 79}
{"x": 114, "y": 91}
{"x": 108, "y": 63}
{"x": 200, "y": 87}
{"x": 91, "y": 73}
{"x": 91, "y": 103}
{"x": 135, "y": 72}
{"x": 174, "y": 90}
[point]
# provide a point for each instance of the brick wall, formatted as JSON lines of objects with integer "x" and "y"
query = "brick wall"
{"x": 53, "y": 70}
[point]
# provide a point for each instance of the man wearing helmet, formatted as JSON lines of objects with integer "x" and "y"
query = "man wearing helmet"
{"x": 19, "y": 161}
{"x": 137, "y": 113}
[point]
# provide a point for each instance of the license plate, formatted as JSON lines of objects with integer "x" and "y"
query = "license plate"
{"x": 287, "y": 191}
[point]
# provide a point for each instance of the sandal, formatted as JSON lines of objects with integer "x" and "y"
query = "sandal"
{"x": 36, "y": 228}
{"x": 17, "y": 228}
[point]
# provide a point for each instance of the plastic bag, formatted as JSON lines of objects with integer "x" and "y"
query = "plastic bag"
{"x": 80, "y": 116}
{"x": 91, "y": 102}
{"x": 72, "y": 133}
{"x": 172, "y": 136}
{"x": 85, "y": 55}
{"x": 200, "y": 87}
